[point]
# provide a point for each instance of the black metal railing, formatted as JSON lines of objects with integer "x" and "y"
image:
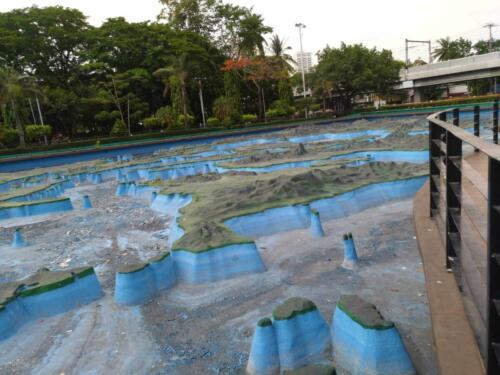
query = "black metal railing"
{"x": 447, "y": 143}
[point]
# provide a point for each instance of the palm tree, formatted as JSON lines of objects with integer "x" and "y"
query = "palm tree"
{"x": 444, "y": 51}
{"x": 453, "y": 49}
{"x": 279, "y": 51}
{"x": 12, "y": 88}
{"x": 175, "y": 76}
{"x": 252, "y": 31}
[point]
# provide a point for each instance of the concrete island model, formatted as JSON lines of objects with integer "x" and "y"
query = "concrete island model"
{"x": 297, "y": 336}
{"x": 350, "y": 254}
{"x": 156, "y": 226}
{"x": 364, "y": 343}
{"x": 297, "y": 340}
{"x": 44, "y": 294}
{"x": 229, "y": 211}
{"x": 35, "y": 200}
{"x": 136, "y": 284}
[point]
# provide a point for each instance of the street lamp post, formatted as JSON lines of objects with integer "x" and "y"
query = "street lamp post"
{"x": 301, "y": 26}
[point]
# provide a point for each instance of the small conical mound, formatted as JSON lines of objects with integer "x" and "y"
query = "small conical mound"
{"x": 300, "y": 150}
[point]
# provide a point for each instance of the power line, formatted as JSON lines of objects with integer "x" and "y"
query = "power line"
{"x": 408, "y": 41}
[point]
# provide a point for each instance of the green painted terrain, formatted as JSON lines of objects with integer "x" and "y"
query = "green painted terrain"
{"x": 293, "y": 307}
{"x": 217, "y": 198}
{"x": 41, "y": 282}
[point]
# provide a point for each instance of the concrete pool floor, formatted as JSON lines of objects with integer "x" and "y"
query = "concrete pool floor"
{"x": 208, "y": 328}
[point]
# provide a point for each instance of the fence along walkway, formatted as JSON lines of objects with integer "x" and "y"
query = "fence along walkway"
{"x": 464, "y": 203}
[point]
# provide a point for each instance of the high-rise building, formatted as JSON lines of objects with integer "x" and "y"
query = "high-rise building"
{"x": 304, "y": 59}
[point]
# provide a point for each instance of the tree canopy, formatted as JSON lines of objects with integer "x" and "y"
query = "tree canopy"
{"x": 59, "y": 71}
{"x": 355, "y": 69}
{"x": 452, "y": 49}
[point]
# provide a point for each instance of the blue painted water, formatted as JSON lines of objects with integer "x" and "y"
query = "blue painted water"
{"x": 416, "y": 157}
{"x": 378, "y": 133}
{"x": 48, "y": 161}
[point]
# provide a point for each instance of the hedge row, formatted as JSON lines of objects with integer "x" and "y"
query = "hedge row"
{"x": 436, "y": 103}
{"x": 150, "y": 136}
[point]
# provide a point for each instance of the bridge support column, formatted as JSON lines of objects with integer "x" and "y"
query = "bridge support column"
{"x": 415, "y": 95}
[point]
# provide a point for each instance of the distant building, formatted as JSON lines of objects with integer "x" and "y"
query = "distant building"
{"x": 304, "y": 59}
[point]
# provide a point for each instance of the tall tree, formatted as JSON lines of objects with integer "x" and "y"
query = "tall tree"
{"x": 483, "y": 46}
{"x": 180, "y": 69}
{"x": 14, "y": 90}
{"x": 252, "y": 35}
{"x": 356, "y": 69}
{"x": 48, "y": 43}
{"x": 321, "y": 86}
{"x": 279, "y": 50}
{"x": 190, "y": 15}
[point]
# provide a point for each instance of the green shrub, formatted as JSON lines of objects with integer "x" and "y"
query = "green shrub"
{"x": 213, "y": 122}
{"x": 152, "y": 123}
{"x": 315, "y": 107}
{"x": 272, "y": 114}
{"x": 180, "y": 121}
{"x": 119, "y": 128}
{"x": 167, "y": 116}
{"x": 35, "y": 133}
{"x": 249, "y": 118}
{"x": 225, "y": 109}
{"x": 9, "y": 137}
{"x": 282, "y": 108}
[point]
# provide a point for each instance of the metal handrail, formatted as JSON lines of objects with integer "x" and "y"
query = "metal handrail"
{"x": 490, "y": 149}
{"x": 452, "y": 136}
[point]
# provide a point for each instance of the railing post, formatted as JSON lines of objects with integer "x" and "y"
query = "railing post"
{"x": 493, "y": 270}
{"x": 443, "y": 117}
{"x": 453, "y": 196}
{"x": 495, "y": 121}
{"x": 456, "y": 117}
{"x": 477, "y": 130}
{"x": 434, "y": 166}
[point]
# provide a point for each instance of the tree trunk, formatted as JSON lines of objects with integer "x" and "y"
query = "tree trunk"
{"x": 259, "y": 98}
{"x": 184, "y": 105}
{"x": 39, "y": 109}
{"x": 19, "y": 126}
{"x": 264, "y": 105}
{"x": 117, "y": 100}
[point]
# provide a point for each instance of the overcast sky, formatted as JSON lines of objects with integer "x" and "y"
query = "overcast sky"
{"x": 381, "y": 23}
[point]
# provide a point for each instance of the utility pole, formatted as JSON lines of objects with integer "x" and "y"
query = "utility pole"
{"x": 490, "y": 26}
{"x": 407, "y": 59}
{"x": 301, "y": 26}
